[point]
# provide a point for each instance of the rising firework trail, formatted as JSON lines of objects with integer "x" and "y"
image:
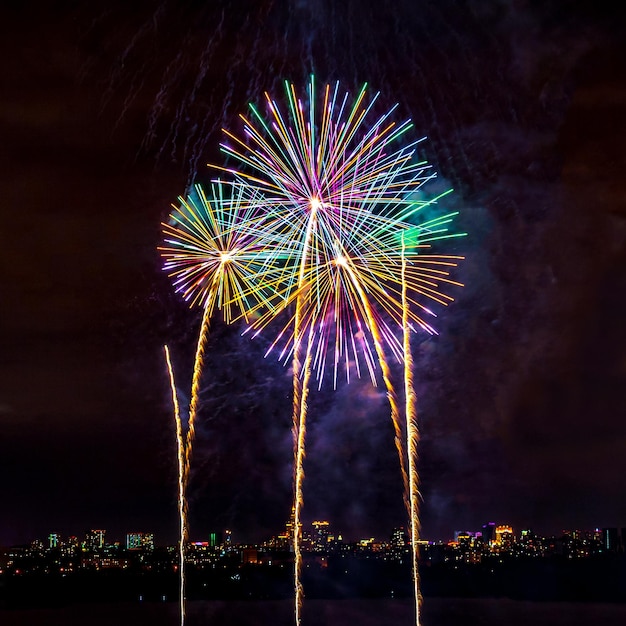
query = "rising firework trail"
{"x": 412, "y": 433}
{"x": 340, "y": 189}
{"x": 182, "y": 505}
{"x": 218, "y": 256}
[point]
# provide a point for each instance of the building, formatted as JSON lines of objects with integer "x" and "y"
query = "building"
{"x": 611, "y": 540}
{"x": 94, "y": 539}
{"x": 467, "y": 536}
{"x": 504, "y": 536}
{"x": 489, "y": 533}
{"x": 289, "y": 528}
{"x": 140, "y": 541}
{"x": 398, "y": 538}
{"x": 321, "y": 535}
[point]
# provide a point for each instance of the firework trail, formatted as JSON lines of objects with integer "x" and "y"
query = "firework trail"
{"x": 300, "y": 395}
{"x": 384, "y": 366}
{"x": 217, "y": 257}
{"x": 412, "y": 439}
{"x": 338, "y": 192}
{"x": 195, "y": 385}
{"x": 182, "y": 507}
{"x": 347, "y": 278}
{"x": 197, "y": 78}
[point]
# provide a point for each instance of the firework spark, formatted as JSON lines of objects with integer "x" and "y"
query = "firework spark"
{"x": 182, "y": 507}
{"x": 217, "y": 259}
{"x": 412, "y": 434}
{"x": 340, "y": 193}
{"x": 337, "y": 192}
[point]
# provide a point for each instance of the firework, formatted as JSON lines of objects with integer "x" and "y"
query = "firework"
{"x": 217, "y": 250}
{"x": 339, "y": 194}
{"x": 182, "y": 512}
{"x": 217, "y": 258}
{"x": 412, "y": 435}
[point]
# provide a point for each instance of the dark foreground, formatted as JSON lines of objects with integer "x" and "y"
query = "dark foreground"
{"x": 350, "y": 612}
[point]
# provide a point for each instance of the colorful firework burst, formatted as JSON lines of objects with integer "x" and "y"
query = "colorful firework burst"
{"x": 219, "y": 253}
{"x": 340, "y": 199}
{"x": 339, "y": 193}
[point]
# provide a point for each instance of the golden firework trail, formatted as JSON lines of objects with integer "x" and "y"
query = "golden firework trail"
{"x": 182, "y": 507}
{"x": 217, "y": 257}
{"x": 299, "y": 433}
{"x": 384, "y": 366}
{"x": 300, "y": 395}
{"x": 339, "y": 193}
{"x": 195, "y": 386}
{"x": 215, "y": 254}
{"x": 412, "y": 440}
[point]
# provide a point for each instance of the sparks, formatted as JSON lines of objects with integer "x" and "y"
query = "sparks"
{"x": 217, "y": 254}
{"x": 340, "y": 193}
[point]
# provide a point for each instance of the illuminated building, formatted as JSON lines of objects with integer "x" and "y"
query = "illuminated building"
{"x": 610, "y": 539}
{"x": 467, "y": 537}
{"x": 321, "y": 535}
{"x": 139, "y": 541}
{"x": 54, "y": 540}
{"x": 398, "y": 538}
{"x": 37, "y": 545}
{"x": 250, "y": 555}
{"x": 504, "y": 536}
{"x": 289, "y": 527}
{"x": 94, "y": 539}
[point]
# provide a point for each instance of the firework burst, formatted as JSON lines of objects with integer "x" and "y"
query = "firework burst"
{"x": 340, "y": 193}
{"x": 218, "y": 251}
{"x": 218, "y": 254}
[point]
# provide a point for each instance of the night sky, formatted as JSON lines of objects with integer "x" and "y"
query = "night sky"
{"x": 106, "y": 114}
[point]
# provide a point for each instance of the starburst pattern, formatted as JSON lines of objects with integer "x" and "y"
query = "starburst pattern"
{"x": 339, "y": 192}
{"x": 218, "y": 251}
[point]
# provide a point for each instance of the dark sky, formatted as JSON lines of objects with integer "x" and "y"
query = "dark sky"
{"x": 107, "y": 113}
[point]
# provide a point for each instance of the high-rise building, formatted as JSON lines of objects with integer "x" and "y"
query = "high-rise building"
{"x": 94, "y": 539}
{"x": 139, "y": 541}
{"x": 398, "y": 537}
{"x": 489, "y": 533}
{"x": 54, "y": 540}
{"x": 610, "y": 539}
{"x": 290, "y": 526}
{"x": 321, "y": 535}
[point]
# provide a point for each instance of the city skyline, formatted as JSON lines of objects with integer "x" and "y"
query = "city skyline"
{"x": 489, "y": 531}
{"x": 520, "y": 397}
